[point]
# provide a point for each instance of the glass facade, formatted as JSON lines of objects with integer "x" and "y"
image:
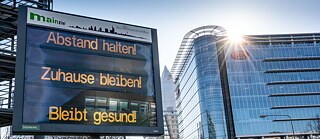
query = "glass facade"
{"x": 200, "y": 101}
{"x": 276, "y": 79}
{"x": 224, "y": 88}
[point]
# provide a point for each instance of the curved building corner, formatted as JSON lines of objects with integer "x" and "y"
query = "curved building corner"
{"x": 200, "y": 101}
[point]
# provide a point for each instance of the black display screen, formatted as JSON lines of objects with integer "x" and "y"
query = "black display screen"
{"x": 84, "y": 79}
{"x": 81, "y": 75}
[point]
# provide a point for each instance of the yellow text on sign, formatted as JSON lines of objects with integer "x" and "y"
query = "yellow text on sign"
{"x": 57, "y": 114}
{"x": 114, "y": 117}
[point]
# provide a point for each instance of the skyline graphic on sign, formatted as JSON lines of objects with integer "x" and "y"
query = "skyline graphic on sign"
{"x": 105, "y": 30}
{"x": 77, "y": 23}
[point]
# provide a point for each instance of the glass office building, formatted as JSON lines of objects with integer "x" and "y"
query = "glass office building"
{"x": 200, "y": 105}
{"x": 265, "y": 86}
{"x": 170, "y": 120}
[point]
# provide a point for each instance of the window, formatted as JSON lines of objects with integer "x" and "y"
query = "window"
{"x": 134, "y": 106}
{"x": 101, "y": 103}
{"x": 144, "y": 107}
{"x": 89, "y": 102}
{"x": 123, "y": 106}
{"x": 113, "y": 104}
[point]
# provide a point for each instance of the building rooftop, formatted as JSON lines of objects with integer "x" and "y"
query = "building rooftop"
{"x": 185, "y": 49}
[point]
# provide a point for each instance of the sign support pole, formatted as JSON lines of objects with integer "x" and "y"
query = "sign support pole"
{"x": 39, "y": 137}
{"x": 94, "y": 137}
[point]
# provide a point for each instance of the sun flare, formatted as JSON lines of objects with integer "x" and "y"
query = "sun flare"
{"x": 235, "y": 36}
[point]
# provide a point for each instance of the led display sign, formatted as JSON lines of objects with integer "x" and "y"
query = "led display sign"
{"x": 80, "y": 75}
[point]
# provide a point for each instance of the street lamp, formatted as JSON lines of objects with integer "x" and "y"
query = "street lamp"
{"x": 264, "y": 116}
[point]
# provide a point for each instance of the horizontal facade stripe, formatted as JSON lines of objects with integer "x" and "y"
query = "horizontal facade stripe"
{"x": 292, "y": 70}
{"x": 291, "y": 59}
{"x": 295, "y": 119}
{"x": 296, "y": 106}
{"x": 293, "y": 82}
{"x": 295, "y": 94}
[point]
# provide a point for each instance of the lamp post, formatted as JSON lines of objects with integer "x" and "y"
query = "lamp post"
{"x": 264, "y": 116}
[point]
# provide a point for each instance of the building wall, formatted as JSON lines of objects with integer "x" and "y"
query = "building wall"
{"x": 169, "y": 105}
{"x": 274, "y": 79}
{"x": 172, "y": 124}
{"x": 200, "y": 101}
{"x": 166, "y": 134}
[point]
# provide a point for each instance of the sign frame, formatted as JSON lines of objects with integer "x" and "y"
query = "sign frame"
{"x": 18, "y": 127}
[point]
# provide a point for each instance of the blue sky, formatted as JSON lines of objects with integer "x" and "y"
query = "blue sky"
{"x": 174, "y": 18}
